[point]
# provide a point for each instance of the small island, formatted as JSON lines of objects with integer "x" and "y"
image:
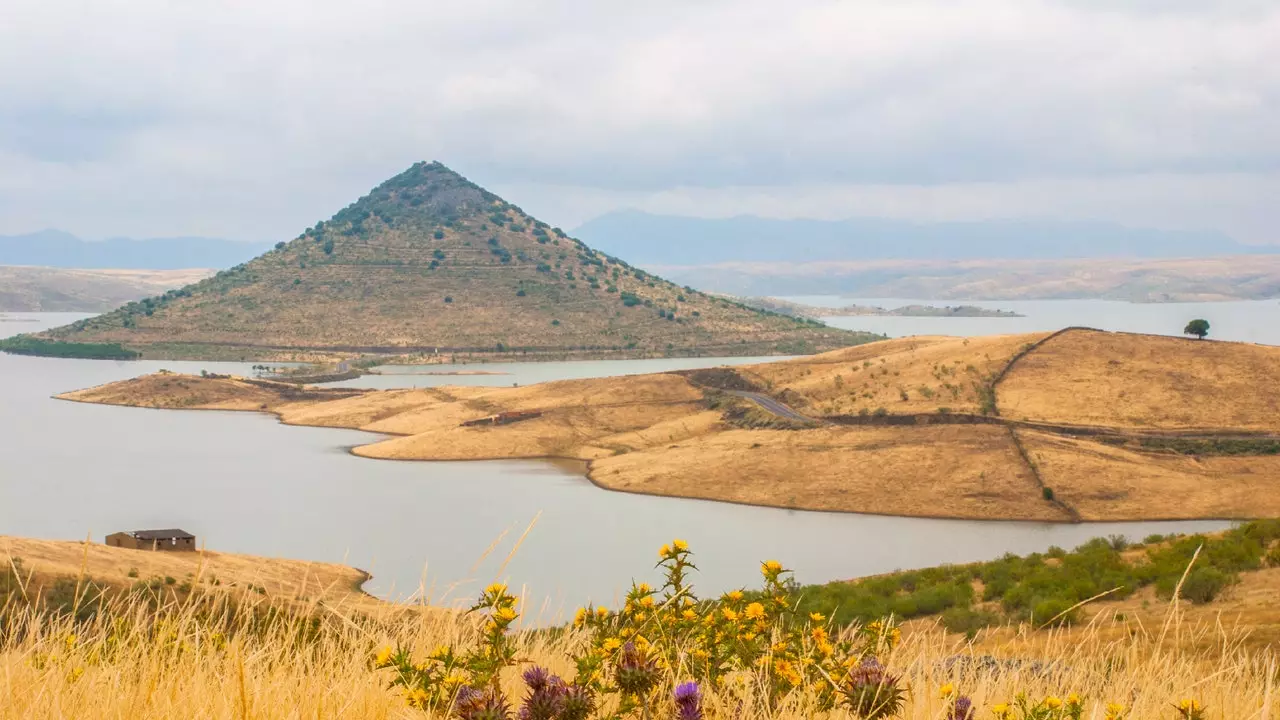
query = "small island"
{"x": 801, "y": 310}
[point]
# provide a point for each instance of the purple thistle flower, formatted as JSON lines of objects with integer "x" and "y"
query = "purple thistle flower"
{"x": 536, "y": 677}
{"x": 961, "y": 709}
{"x": 688, "y": 702}
{"x": 579, "y": 703}
{"x": 487, "y": 704}
{"x": 546, "y": 698}
{"x": 635, "y": 671}
{"x": 871, "y": 692}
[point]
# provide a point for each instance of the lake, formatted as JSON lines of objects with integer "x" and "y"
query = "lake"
{"x": 1256, "y": 321}
{"x": 245, "y": 483}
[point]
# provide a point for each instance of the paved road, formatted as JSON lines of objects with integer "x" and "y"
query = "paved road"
{"x": 772, "y": 406}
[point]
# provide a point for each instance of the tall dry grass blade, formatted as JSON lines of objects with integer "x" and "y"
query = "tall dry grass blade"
{"x": 1173, "y": 601}
{"x": 1069, "y": 610}
{"x": 515, "y": 548}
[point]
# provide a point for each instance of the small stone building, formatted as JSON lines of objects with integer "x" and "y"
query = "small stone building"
{"x": 172, "y": 539}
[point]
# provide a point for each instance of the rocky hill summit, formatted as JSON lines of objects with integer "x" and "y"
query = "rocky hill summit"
{"x": 431, "y": 262}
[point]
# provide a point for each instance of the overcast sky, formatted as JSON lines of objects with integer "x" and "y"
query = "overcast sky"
{"x": 254, "y": 119}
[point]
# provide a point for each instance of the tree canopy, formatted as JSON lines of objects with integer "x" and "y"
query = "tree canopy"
{"x": 1197, "y": 327}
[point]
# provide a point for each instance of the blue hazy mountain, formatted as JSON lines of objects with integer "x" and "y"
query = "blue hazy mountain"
{"x": 647, "y": 239}
{"x": 54, "y": 248}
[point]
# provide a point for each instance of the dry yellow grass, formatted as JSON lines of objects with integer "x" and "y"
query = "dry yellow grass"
{"x": 52, "y": 669}
{"x": 45, "y": 560}
{"x": 1088, "y": 377}
{"x": 1103, "y": 482}
{"x": 656, "y": 434}
{"x": 932, "y": 372}
{"x": 939, "y": 471}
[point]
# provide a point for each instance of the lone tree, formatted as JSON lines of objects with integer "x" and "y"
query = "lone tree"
{"x": 1197, "y": 327}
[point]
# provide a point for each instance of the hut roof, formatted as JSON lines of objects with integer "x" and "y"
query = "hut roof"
{"x": 170, "y": 534}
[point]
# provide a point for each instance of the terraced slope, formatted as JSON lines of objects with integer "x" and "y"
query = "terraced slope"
{"x": 428, "y": 262}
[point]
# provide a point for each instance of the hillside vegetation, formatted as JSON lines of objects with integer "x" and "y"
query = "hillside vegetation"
{"x": 429, "y": 262}
{"x": 1043, "y": 426}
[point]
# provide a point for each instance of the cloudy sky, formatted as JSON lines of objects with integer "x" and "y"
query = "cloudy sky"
{"x": 253, "y": 119}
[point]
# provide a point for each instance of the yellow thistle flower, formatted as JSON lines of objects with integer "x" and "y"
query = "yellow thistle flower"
{"x": 1115, "y": 711}
{"x": 601, "y": 613}
{"x": 754, "y": 611}
{"x": 747, "y": 637}
{"x": 417, "y": 698}
{"x": 625, "y": 633}
{"x": 664, "y": 551}
{"x": 70, "y": 641}
{"x": 729, "y": 614}
{"x": 1002, "y": 711}
{"x": 455, "y": 679}
{"x": 580, "y": 617}
{"x": 770, "y": 568}
{"x": 688, "y": 614}
{"x": 679, "y": 545}
{"x": 646, "y": 601}
{"x": 611, "y": 644}
{"x": 383, "y": 656}
{"x": 825, "y": 648}
{"x": 644, "y": 589}
{"x": 505, "y": 614}
{"x": 817, "y": 617}
{"x": 1052, "y": 702}
{"x": 735, "y": 595}
{"x": 1189, "y": 705}
{"x": 1073, "y": 699}
{"x": 701, "y": 654}
{"x": 640, "y": 616}
{"x": 496, "y": 589}
{"x": 946, "y": 691}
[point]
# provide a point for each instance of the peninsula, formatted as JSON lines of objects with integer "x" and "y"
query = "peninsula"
{"x": 1077, "y": 425}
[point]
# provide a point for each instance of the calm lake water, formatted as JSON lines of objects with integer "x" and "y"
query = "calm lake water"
{"x": 244, "y": 483}
{"x": 1256, "y": 321}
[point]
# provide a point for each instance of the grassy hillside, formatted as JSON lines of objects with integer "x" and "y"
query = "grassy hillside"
{"x": 1006, "y": 427}
{"x": 429, "y": 261}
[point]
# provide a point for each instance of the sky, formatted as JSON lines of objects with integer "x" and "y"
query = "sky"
{"x": 251, "y": 120}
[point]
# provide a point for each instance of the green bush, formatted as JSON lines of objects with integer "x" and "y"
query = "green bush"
{"x": 1204, "y": 584}
{"x": 967, "y": 621}
{"x": 1055, "y": 611}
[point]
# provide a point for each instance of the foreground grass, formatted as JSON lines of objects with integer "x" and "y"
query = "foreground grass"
{"x": 159, "y": 653}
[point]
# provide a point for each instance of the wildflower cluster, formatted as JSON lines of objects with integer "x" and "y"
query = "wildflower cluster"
{"x": 660, "y": 653}
{"x": 466, "y": 682}
{"x": 741, "y": 639}
{"x": 1051, "y": 707}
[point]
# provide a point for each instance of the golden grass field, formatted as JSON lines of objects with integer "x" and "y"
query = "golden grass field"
{"x": 183, "y": 659}
{"x": 659, "y": 434}
{"x": 294, "y": 579}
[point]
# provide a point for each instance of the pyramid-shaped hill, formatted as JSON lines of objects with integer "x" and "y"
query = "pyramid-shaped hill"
{"x": 430, "y": 262}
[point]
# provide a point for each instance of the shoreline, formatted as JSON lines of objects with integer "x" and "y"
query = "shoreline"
{"x": 587, "y": 471}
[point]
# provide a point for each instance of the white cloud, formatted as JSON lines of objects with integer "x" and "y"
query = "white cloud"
{"x": 254, "y": 119}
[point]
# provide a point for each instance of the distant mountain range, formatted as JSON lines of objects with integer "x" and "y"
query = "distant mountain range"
{"x": 666, "y": 240}
{"x": 55, "y": 248}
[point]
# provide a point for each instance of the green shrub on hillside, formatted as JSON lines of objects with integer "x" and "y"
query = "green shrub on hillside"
{"x": 1032, "y": 587}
